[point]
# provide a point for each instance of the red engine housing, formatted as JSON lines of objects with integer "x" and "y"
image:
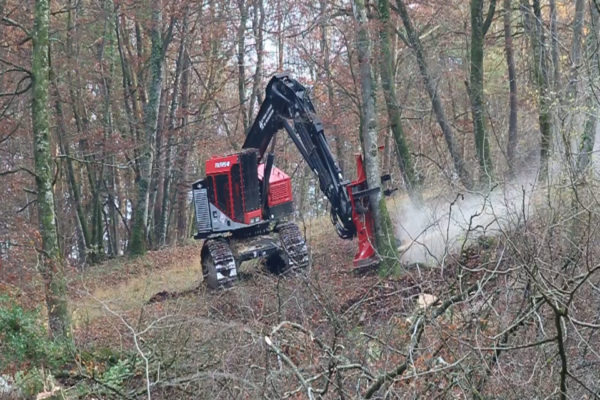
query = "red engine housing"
{"x": 235, "y": 181}
{"x": 280, "y": 186}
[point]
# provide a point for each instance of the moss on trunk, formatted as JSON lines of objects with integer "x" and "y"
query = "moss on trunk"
{"x": 384, "y": 234}
{"x": 51, "y": 266}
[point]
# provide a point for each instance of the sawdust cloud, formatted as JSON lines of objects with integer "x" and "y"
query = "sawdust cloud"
{"x": 447, "y": 221}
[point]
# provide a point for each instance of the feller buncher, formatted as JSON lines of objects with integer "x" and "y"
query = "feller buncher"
{"x": 244, "y": 204}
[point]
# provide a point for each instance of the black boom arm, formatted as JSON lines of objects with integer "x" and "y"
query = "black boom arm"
{"x": 287, "y": 105}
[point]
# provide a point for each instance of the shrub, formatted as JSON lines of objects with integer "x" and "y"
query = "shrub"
{"x": 24, "y": 339}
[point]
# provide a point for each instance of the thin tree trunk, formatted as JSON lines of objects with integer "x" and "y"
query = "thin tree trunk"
{"x": 181, "y": 164}
{"x": 340, "y": 142}
{"x": 570, "y": 113}
{"x": 129, "y": 94}
{"x": 107, "y": 56}
{"x": 241, "y": 53}
{"x": 83, "y": 236}
{"x": 385, "y": 241}
{"x": 80, "y": 114}
{"x": 555, "y": 43}
{"x": 576, "y": 50}
{"x": 165, "y": 207}
{"x": 158, "y": 171}
{"x": 588, "y": 136}
{"x": 51, "y": 266}
{"x": 280, "y": 47}
{"x": 258, "y": 24}
{"x": 436, "y": 102}
{"x": 540, "y": 72}
{"x": 393, "y": 108}
{"x": 511, "y": 147}
{"x": 138, "y": 245}
{"x": 479, "y": 28}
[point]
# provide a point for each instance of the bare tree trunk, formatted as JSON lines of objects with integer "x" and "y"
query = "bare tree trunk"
{"x": 127, "y": 85}
{"x": 166, "y": 203}
{"x": 80, "y": 114}
{"x": 385, "y": 241}
{"x": 181, "y": 164}
{"x": 138, "y": 244}
{"x": 588, "y": 136}
{"x": 51, "y": 266}
{"x": 540, "y": 72}
{"x": 393, "y": 108}
{"x": 258, "y": 25}
{"x": 280, "y": 47}
{"x": 107, "y": 56}
{"x": 83, "y": 235}
{"x": 576, "y": 50}
{"x": 555, "y": 43}
{"x": 324, "y": 45}
{"x": 512, "y": 86}
{"x": 436, "y": 102}
{"x": 479, "y": 28}
{"x": 241, "y": 55}
{"x": 157, "y": 176}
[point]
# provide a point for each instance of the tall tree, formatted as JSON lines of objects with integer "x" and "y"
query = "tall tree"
{"x": 51, "y": 266}
{"x": 385, "y": 241}
{"x": 80, "y": 113}
{"x": 436, "y": 101}
{"x": 174, "y": 107}
{"x": 532, "y": 16}
{"x": 138, "y": 243}
{"x": 479, "y": 28}
{"x": 512, "y": 87}
{"x": 258, "y": 26}
{"x": 571, "y": 120}
{"x": 241, "y": 56}
{"x": 181, "y": 163}
{"x": 83, "y": 237}
{"x": 592, "y": 48}
{"x": 106, "y": 62}
{"x": 391, "y": 102}
{"x": 555, "y": 45}
{"x": 324, "y": 47}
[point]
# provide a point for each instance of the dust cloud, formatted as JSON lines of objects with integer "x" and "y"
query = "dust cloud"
{"x": 439, "y": 228}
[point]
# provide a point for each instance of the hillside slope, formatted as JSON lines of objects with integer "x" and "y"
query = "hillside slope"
{"x": 479, "y": 323}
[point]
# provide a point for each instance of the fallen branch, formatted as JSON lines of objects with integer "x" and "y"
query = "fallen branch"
{"x": 417, "y": 329}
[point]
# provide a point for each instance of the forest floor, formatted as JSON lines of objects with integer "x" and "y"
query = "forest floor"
{"x": 472, "y": 315}
{"x": 157, "y": 308}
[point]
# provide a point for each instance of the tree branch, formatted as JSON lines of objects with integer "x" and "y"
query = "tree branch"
{"x": 14, "y": 171}
{"x": 489, "y": 17}
{"x": 18, "y": 91}
{"x": 11, "y": 22}
{"x": 288, "y": 361}
{"x": 417, "y": 328}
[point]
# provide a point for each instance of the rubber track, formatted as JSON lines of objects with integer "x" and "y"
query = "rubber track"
{"x": 223, "y": 259}
{"x": 293, "y": 244}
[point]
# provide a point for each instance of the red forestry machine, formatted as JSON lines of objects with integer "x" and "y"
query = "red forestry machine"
{"x": 244, "y": 202}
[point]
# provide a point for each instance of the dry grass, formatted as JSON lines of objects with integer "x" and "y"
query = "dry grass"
{"x": 126, "y": 285}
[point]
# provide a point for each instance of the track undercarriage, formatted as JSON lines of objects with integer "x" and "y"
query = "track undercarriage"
{"x": 282, "y": 249}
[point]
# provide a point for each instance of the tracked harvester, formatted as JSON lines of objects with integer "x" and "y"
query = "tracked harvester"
{"x": 244, "y": 203}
